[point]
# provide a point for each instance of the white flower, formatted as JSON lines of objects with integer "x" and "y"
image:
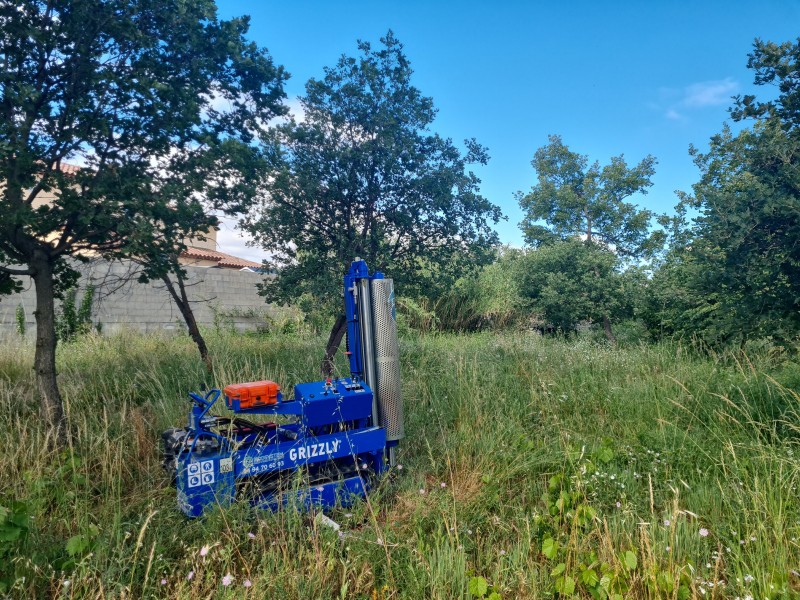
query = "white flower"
{"x": 227, "y": 580}
{"x": 703, "y": 532}
{"x": 443, "y": 484}
{"x": 204, "y": 550}
{"x": 421, "y": 490}
{"x": 251, "y": 535}
{"x": 190, "y": 575}
{"x": 666, "y": 522}
{"x": 247, "y": 583}
{"x": 163, "y": 582}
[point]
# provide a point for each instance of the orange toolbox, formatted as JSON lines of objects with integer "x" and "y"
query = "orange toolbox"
{"x": 242, "y": 396}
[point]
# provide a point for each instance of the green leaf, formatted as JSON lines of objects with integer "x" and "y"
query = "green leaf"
{"x": 9, "y": 533}
{"x": 590, "y": 578}
{"x": 605, "y": 454}
{"x": 565, "y": 585}
{"x": 550, "y": 548}
{"x": 77, "y": 544}
{"x": 605, "y": 582}
{"x": 477, "y": 587}
{"x": 558, "y": 570}
{"x": 630, "y": 560}
{"x": 494, "y": 596}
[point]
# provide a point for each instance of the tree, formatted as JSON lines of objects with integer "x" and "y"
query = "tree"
{"x": 364, "y": 176}
{"x": 570, "y": 282}
{"x": 573, "y": 200}
{"x": 736, "y": 272}
{"x": 129, "y": 89}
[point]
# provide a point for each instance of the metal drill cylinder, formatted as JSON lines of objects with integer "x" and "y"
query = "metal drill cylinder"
{"x": 387, "y": 359}
{"x": 365, "y": 319}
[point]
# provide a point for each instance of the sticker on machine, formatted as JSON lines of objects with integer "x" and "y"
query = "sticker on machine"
{"x": 226, "y": 465}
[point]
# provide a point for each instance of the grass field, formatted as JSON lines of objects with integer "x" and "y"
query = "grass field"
{"x": 532, "y": 468}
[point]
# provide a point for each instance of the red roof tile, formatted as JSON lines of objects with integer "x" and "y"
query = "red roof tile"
{"x": 222, "y": 259}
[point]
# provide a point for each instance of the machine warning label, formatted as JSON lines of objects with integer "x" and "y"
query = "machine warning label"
{"x": 200, "y": 473}
{"x": 226, "y": 465}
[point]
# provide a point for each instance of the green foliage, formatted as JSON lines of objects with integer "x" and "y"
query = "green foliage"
{"x": 75, "y": 319}
{"x": 478, "y": 587}
{"x": 489, "y": 299}
{"x": 734, "y": 271}
{"x": 569, "y": 282}
{"x": 364, "y": 177}
{"x": 14, "y": 525}
{"x": 8, "y": 285}
{"x": 132, "y": 90}
{"x": 533, "y": 438}
{"x": 576, "y": 200}
{"x": 774, "y": 65}
{"x": 19, "y": 317}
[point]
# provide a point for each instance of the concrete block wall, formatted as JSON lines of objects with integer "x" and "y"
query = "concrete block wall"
{"x": 223, "y": 296}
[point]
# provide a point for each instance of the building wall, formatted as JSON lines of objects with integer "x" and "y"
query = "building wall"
{"x": 222, "y": 296}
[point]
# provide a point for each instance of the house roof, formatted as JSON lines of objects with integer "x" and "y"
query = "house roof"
{"x": 222, "y": 259}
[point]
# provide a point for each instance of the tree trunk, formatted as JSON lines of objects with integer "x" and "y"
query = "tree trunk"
{"x": 44, "y": 362}
{"x": 335, "y": 339}
{"x": 182, "y": 301}
{"x": 607, "y": 329}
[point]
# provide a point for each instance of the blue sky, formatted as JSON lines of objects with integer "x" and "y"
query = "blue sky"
{"x": 625, "y": 77}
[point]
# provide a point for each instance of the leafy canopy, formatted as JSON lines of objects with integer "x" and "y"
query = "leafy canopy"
{"x": 364, "y": 176}
{"x": 158, "y": 104}
{"x": 570, "y": 281}
{"x": 737, "y": 273}
{"x": 574, "y": 199}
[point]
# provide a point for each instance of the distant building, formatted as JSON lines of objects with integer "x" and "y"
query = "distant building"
{"x": 199, "y": 253}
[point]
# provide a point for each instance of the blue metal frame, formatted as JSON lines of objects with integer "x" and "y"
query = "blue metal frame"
{"x": 332, "y": 442}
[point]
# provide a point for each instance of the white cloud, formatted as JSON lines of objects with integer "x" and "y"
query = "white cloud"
{"x": 709, "y": 93}
{"x": 673, "y": 115}
{"x": 296, "y": 110}
{"x": 232, "y": 240}
{"x": 675, "y": 103}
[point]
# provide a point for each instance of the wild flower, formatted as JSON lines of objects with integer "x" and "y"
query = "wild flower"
{"x": 66, "y": 583}
{"x": 163, "y": 582}
{"x": 502, "y": 552}
{"x": 619, "y": 504}
{"x": 748, "y": 578}
{"x": 703, "y": 532}
{"x": 443, "y": 484}
{"x": 204, "y": 550}
{"x": 247, "y": 583}
{"x": 227, "y": 580}
{"x": 190, "y": 575}
{"x": 251, "y": 535}
{"x": 422, "y": 491}
{"x": 667, "y": 548}
{"x": 666, "y": 522}
{"x": 752, "y": 538}
{"x": 399, "y": 467}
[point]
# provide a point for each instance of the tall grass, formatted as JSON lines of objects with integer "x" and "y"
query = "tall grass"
{"x": 662, "y": 444}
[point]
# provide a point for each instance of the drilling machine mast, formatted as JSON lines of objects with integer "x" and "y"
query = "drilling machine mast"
{"x": 340, "y": 434}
